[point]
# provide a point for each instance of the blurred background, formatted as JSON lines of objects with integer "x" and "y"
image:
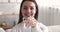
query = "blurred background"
{"x": 49, "y": 11}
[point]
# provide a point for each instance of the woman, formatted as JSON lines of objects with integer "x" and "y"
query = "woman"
{"x": 28, "y": 18}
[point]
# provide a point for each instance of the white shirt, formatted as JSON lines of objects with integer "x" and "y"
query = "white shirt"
{"x": 2, "y": 30}
{"x": 23, "y": 28}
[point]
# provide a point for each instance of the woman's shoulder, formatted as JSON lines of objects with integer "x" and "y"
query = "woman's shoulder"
{"x": 2, "y": 30}
{"x": 41, "y": 25}
{"x": 18, "y": 25}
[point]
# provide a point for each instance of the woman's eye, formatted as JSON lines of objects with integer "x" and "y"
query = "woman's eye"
{"x": 25, "y": 8}
{"x": 31, "y": 8}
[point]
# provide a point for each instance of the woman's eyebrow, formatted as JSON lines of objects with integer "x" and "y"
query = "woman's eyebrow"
{"x": 29, "y": 6}
{"x": 32, "y": 6}
{"x": 25, "y": 6}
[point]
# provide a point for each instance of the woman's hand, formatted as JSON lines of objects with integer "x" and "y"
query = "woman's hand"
{"x": 31, "y": 21}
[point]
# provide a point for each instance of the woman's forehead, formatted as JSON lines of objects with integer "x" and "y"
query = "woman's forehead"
{"x": 28, "y": 3}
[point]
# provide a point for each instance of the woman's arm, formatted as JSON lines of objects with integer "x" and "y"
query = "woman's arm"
{"x": 40, "y": 28}
{"x": 43, "y": 27}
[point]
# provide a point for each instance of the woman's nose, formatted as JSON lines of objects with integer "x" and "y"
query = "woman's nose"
{"x": 28, "y": 11}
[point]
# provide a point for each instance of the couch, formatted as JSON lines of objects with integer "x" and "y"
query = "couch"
{"x": 55, "y": 28}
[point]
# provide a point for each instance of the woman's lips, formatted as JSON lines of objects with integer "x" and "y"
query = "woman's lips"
{"x": 28, "y": 15}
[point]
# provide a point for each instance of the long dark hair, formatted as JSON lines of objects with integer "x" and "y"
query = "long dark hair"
{"x": 20, "y": 13}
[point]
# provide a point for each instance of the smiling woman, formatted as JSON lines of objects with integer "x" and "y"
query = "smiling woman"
{"x": 28, "y": 18}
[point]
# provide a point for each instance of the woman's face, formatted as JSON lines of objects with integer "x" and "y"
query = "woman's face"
{"x": 28, "y": 9}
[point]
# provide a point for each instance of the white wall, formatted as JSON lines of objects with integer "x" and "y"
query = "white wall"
{"x": 49, "y": 15}
{"x": 9, "y": 8}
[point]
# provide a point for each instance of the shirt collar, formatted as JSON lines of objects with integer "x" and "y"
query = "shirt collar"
{"x": 24, "y": 20}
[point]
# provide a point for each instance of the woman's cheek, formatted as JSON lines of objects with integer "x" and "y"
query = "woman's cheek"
{"x": 33, "y": 13}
